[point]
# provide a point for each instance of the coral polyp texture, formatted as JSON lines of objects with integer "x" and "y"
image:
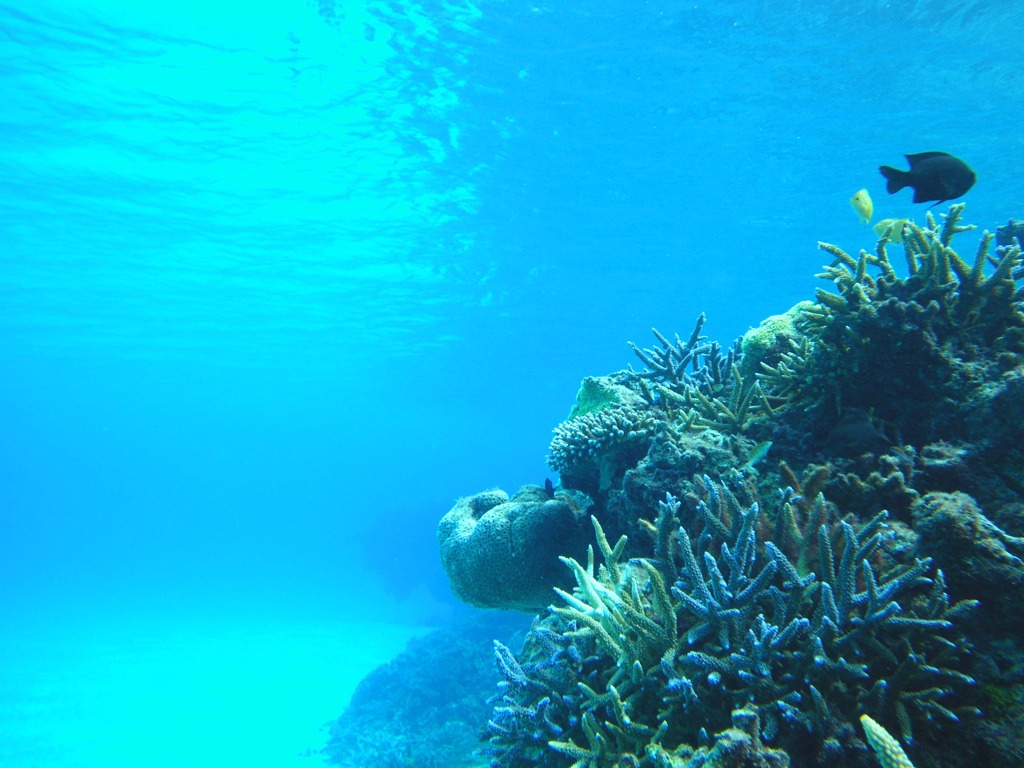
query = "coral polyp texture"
{"x": 807, "y": 547}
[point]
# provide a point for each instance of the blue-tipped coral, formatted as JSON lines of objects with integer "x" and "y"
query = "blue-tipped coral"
{"x": 657, "y": 666}
{"x": 698, "y": 379}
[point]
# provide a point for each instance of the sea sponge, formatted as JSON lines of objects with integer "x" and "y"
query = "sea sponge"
{"x": 503, "y": 553}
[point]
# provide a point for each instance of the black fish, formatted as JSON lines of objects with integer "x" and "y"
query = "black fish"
{"x": 855, "y": 435}
{"x": 932, "y": 175}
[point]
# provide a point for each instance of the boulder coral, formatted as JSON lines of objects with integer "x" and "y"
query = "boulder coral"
{"x": 501, "y": 552}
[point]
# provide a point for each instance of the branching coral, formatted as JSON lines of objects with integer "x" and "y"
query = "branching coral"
{"x": 669, "y": 363}
{"x": 714, "y": 394}
{"x": 968, "y": 303}
{"x": 895, "y": 345}
{"x": 662, "y": 663}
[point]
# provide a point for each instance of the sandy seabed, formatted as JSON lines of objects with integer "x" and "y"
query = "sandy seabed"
{"x": 201, "y": 693}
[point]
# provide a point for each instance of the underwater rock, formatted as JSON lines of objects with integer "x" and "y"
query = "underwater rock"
{"x": 503, "y": 553}
{"x": 994, "y": 426}
{"x": 978, "y": 558}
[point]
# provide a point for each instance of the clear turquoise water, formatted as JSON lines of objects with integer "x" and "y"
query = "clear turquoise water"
{"x": 128, "y": 691}
{"x": 279, "y": 281}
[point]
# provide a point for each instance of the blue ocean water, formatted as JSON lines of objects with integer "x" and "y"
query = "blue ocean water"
{"x": 280, "y": 281}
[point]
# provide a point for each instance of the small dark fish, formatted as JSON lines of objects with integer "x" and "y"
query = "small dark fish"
{"x": 854, "y": 435}
{"x": 933, "y": 176}
{"x": 1008, "y": 234}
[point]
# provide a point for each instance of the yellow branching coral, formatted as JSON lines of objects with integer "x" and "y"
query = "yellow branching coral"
{"x": 888, "y": 751}
{"x": 625, "y": 607}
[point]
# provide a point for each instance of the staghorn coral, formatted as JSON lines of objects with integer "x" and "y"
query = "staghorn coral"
{"x": 715, "y": 394}
{"x": 898, "y": 346}
{"x": 729, "y": 410}
{"x": 888, "y": 751}
{"x": 659, "y": 663}
{"x": 781, "y": 374}
{"x": 669, "y": 363}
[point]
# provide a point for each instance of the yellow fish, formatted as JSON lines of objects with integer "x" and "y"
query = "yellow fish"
{"x": 862, "y": 204}
{"x": 892, "y": 229}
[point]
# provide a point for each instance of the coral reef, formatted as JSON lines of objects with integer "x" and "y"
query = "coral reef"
{"x": 503, "y": 553}
{"x": 654, "y": 653}
{"x": 425, "y": 707}
{"x": 789, "y": 532}
{"x": 899, "y": 347}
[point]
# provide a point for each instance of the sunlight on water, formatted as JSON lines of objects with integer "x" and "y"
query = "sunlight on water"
{"x": 187, "y": 175}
